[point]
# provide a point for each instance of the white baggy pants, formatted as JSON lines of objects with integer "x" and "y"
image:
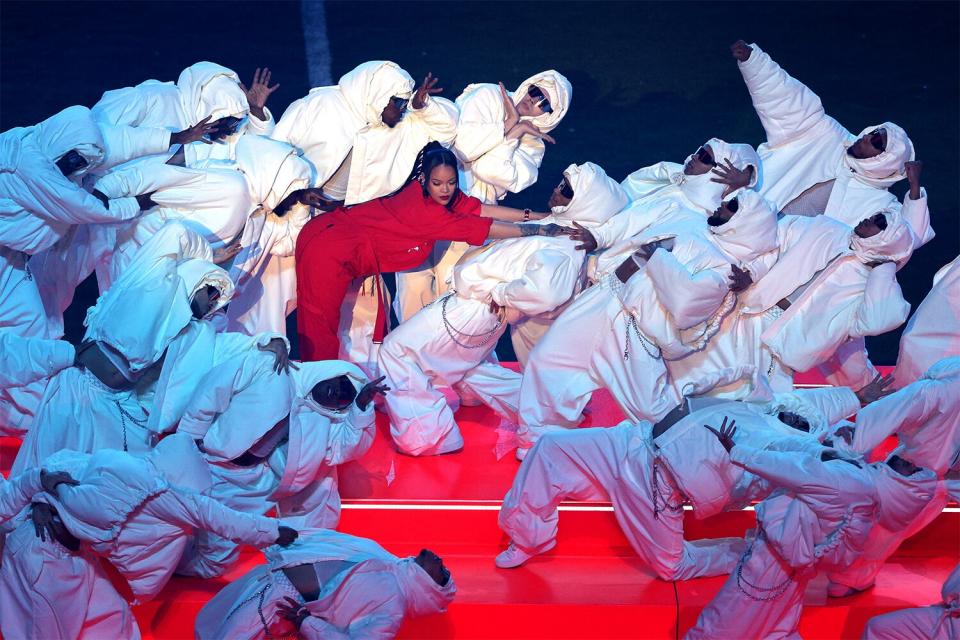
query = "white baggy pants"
{"x": 420, "y": 357}
{"x": 615, "y": 463}
{"x": 584, "y": 351}
{"x": 921, "y": 623}
{"x": 762, "y": 598}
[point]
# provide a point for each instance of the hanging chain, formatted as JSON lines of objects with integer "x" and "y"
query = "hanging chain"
{"x": 661, "y": 503}
{"x": 485, "y": 337}
{"x": 772, "y": 593}
{"x": 632, "y": 322}
{"x": 126, "y": 415}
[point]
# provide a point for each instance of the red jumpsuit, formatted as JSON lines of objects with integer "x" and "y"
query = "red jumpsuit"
{"x": 384, "y": 235}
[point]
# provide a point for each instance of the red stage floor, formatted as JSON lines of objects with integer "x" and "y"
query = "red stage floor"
{"x": 590, "y": 586}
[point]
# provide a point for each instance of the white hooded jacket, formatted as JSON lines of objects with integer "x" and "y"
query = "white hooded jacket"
{"x": 493, "y": 165}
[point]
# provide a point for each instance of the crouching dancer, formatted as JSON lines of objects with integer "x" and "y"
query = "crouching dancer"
{"x": 328, "y": 585}
{"x": 135, "y": 512}
{"x": 277, "y": 440}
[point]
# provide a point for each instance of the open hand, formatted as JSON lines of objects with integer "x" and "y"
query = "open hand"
{"x": 281, "y": 356}
{"x": 199, "y": 132}
{"x": 726, "y": 433}
{"x": 740, "y": 279}
{"x": 427, "y": 88}
{"x": 259, "y": 91}
{"x": 42, "y": 516}
{"x": 877, "y": 388}
{"x": 370, "y": 391}
{"x": 293, "y": 611}
{"x": 579, "y": 233}
{"x": 227, "y": 253}
{"x": 49, "y": 480}
{"x": 741, "y": 50}
{"x": 510, "y": 114}
{"x": 731, "y": 176}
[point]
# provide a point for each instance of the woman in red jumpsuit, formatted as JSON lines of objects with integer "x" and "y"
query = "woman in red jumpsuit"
{"x": 389, "y": 234}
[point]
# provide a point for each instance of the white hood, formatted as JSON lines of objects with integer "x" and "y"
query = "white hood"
{"x": 273, "y": 169}
{"x": 559, "y": 92}
{"x": 701, "y": 190}
{"x": 751, "y": 232}
{"x": 886, "y": 168}
{"x": 208, "y": 89}
{"x": 596, "y": 197}
{"x": 893, "y": 244}
{"x": 902, "y": 498}
{"x": 369, "y": 87}
{"x": 71, "y": 129}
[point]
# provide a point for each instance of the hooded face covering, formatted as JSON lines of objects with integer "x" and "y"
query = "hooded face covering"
{"x": 793, "y": 403}
{"x": 421, "y": 593}
{"x": 893, "y": 244}
{"x": 558, "y": 91}
{"x": 885, "y": 168}
{"x": 751, "y": 232}
{"x": 596, "y": 197}
{"x": 273, "y": 169}
{"x": 71, "y": 129}
{"x": 207, "y": 89}
{"x": 369, "y": 87}
{"x": 197, "y": 274}
{"x": 701, "y": 190}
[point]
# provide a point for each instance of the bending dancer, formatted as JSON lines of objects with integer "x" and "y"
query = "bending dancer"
{"x": 388, "y": 234}
{"x": 447, "y": 344}
{"x": 277, "y": 440}
{"x": 650, "y": 471}
{"x": 812, "y": 165}
{"x": 818, "y": 521}
{"x": 328, "y": 585}
{"x": 664, "y": 302}
{"x": 500, "y": 141}
{"x": 936, "y": 622}
{"x": 134, "y": 512}
{"x": 925, "y": 417}
{"x": 205, "y": 112}
{"x": 362, "y": 139}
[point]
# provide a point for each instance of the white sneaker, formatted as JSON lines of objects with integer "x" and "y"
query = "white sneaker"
{"x": 514, "y": 556}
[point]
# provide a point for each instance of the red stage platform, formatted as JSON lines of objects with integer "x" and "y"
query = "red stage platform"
{"x": 590, "y": 586}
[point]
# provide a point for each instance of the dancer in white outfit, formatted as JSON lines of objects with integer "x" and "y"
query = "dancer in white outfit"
{"x": 136, "y": 513}
{"x": 328, "y": 585}
{"x": 276, "y": 441}
{"x": 446, "y": 345}
{"x": 640, "y": 315}
{"x": 812, "y": 165}
{"x": 500, "y": 142}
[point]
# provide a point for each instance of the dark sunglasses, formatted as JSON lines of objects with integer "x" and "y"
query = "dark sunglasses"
{"x": 539, "y": 100}
{"x": 400, "y": 103}
{"x": 704, "y": 156}
{"x": 565, "y": 189}
{"x": 880, "y": 220}
{"x": 733, "y": 206}
{"x": 876, "y": 140}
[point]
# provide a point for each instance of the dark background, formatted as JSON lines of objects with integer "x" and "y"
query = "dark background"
{"x": 651, "y": 80}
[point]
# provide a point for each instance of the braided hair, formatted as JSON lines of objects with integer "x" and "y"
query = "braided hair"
{"x": 433, "y": 155}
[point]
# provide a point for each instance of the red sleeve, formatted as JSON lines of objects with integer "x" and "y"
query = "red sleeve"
{"x": 461, "y": 223}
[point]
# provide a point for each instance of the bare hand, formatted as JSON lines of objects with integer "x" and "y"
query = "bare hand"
{"x": 226, "y": 254}
{"x": 199, "y": 132}
{"x": 281, "y": 357}
{"x": 42, "y": 516}
{"x": 731, "y": 176}
{"x": 913, "y": 169}
{"x": 528, "y": 128}
{"x": 510, "y": 114}
{"x": 370, "y": 391}
{"x": 740, "y": 279}
{"x": 293, "y": 611}
{"x": 314, "y": 198}
{"x": 428, "y": 88}
{"x": 741, "y": 50}
{"x": 579, "y": 233}
{"x": 878, "y": 388}
{"x": 145, "y": 201}
{"x": 50, "y": 480}
{"x": 726, "y": 433}
{"x": 259, "y": 91}
{"x": 286, "y": 536}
